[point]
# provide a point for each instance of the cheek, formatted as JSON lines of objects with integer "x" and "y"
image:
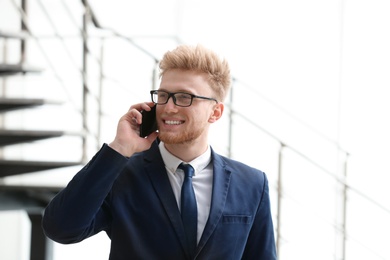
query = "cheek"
{"x": 159, "y": 110}
{"x": 200, "y": 118}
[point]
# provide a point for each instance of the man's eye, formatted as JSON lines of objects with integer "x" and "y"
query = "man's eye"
{"x": 183, "y": 96}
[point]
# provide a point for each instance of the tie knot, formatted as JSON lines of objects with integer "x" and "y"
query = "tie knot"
{"x": 188, "y": 169}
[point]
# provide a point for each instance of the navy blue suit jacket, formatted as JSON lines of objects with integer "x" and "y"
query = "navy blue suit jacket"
{"x": 131, "y": 199}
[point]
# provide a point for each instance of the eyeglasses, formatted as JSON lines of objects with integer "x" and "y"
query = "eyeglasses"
{"x": 181, "y": 99}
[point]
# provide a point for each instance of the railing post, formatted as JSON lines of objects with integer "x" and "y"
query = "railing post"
{"x": 231, "y": 112}
{"x": 279, "y": 200}
{"x": 344, "y": 219}
{"x": 24, "y": 28}
{"x": 99, "y": 100}
{"x": 341, "y": 219}
{"x": 86, "y": 18}
{"x": 155, "y": 74}
{"x": 41, "y": 247}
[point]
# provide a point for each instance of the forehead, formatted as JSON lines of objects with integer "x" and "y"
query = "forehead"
{"x": 185, "y": 80}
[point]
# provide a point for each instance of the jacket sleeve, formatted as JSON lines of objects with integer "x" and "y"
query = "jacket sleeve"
{"x": 261, "y": 241}
{"x": 78, "y": 211}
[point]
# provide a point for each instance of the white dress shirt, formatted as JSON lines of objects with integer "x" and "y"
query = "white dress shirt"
{"x": 202, "y": 182}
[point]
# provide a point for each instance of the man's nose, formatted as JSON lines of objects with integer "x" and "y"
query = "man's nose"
{"x": 170, "y": 105}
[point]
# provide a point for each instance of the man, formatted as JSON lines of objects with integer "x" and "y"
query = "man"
{"x": 132, "y": 187}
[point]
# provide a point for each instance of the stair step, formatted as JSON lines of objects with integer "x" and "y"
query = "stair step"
{"x": 29, "y": 198}
{"x": 8, "y": 104}
{"x": 9, "y": 137}
{"x": 11, "y": 69}
{"x": 13, "y": 35}
{"x": 16, "y": 167}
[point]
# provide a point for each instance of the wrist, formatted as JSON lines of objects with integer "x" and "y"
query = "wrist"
{"x": 121, "y": 149}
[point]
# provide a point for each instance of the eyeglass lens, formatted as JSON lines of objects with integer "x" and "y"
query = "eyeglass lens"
{"x": 179, "y": 99}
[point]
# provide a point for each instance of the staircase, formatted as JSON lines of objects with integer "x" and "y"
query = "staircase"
{"x": 11, "y": 69}
{"x": 30, "y": 198}
{"x": 73, "y": 55}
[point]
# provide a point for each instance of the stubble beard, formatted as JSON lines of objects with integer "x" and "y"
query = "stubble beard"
{"x": 186, "y": 137}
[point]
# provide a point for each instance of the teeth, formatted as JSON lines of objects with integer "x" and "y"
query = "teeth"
{"x": 171, "y": 122}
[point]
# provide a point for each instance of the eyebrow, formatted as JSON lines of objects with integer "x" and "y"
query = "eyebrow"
{"x": 178, "y": 91}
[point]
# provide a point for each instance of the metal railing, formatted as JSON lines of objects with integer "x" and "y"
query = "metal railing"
{"x": 89, "y": 18}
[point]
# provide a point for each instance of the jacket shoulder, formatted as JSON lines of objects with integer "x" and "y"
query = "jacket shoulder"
{"x": 237, "y": 167}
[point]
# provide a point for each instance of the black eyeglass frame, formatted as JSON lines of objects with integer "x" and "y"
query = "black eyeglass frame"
{"x": 153, "y": 92}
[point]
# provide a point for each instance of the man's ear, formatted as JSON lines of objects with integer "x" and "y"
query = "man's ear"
{"x": 217, "y": 112}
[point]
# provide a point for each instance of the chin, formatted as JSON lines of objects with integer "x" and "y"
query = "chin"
{"x": 171, "y": 138}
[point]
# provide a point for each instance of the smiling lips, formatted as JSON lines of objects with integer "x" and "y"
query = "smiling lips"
{"x": 173, "y": 122}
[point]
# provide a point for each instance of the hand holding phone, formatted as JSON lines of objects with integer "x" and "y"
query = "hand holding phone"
{"x": 149, "y": 123}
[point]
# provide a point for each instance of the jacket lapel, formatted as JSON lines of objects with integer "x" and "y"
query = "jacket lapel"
{"x": 158, "y": 176}
{"x": 221, "y": 181}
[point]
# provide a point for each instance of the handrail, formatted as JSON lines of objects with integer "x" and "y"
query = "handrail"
{"x": 97, "y": 24}
{"x": 307, "y": 211}
{"x": 311, "y": 161}
{"x": 290, "y": 115}
{"x": 42, "y": 50}
{"x": 307, "y": 158}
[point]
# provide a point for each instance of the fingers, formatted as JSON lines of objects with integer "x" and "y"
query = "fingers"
{"x": 142, "y": 106}
{"x": 127, "y": 140}
{"x": 134, "y": 112}
{"x": 150, "y": 138}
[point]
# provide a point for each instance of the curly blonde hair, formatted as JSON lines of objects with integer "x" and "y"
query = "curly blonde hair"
{"x": 198, "y": 58}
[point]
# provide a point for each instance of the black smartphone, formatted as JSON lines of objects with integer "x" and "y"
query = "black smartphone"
{"x": 149, "y": 124}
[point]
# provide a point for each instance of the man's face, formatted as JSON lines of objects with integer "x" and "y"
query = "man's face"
{"x": 181, "y": 125}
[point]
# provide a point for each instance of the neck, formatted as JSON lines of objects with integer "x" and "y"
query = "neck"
{"x": 188, "y": 151}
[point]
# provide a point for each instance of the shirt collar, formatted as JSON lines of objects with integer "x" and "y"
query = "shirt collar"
{"x": 172, "y": 162}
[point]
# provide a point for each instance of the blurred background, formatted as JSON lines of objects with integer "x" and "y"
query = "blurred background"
{"x": 309, "y": 106}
